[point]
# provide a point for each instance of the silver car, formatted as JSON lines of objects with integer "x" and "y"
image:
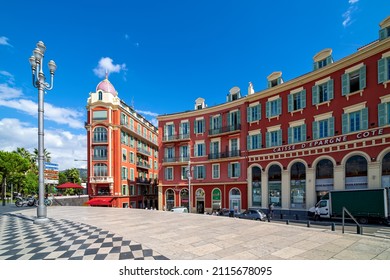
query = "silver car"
{"x": 253, "y": 214}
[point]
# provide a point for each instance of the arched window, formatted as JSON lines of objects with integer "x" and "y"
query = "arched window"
{"x": 100, "y": 169}
{"x": 275, "y": 185}
{"x": 100, "y": 95}
{"x": 324, "y": 177}
{"x": 100, "y": 135}
{"x": 298, "y": 185}
{"x": 235, "y": 200}
{"x": 169, "y": 199}
{"x": 356, "y": 173}
{"x": 184, "y": 198}
{"x": 386, "y": 171}
{"x": 216, "y": 200}
{"x": 256, "y": 186}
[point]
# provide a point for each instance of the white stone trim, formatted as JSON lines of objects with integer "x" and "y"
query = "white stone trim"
{"x": 354, "y": 108}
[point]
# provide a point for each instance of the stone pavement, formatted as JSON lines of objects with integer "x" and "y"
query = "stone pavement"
{"x": 115, "y": 233}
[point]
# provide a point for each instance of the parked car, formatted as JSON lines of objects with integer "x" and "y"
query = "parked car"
{"x": 227, "y": 213}
{"x": 253, "y": 214}
{"x": 179, "y": 209}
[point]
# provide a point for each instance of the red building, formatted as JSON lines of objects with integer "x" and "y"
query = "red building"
{"x": 288, "y": 144}
{"x": 122, "y": 152}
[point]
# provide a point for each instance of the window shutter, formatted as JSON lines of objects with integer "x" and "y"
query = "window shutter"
{"x": 290, "y": 135}
{"x": 345, "y": 123}
{"x": 382, "y": 114}
{"x": 229, "y": 170}
{"x": 195, "y": 126}
{"x": 267, "y": 140}
{"x": 315, "y": 65}
{"x": 249, "y": 142}
{"x": 362, "y": 77}
{"x": 290, "y": 102}
{"x": 249, "y": 114}
{"x": 329, "y": 60}
{"x": 204, "y": 172}
{"x": 331, "y": 126}
{"x": 238, "y": 170}
{"x": 382, "y": 34}
{"x": 345, "y": 84}
{"x": 269, "y": 84}
{"x": 279, "y": 137}
{"x": 196, "y": 150}
{"x": 364, "y": 121}
{"x": 330, "y": 89}
{"x": 314, "y": 93}
{"x": 315, "y": 130}
{"x": 381, "y": 70}
{"x": 211, "y": 125}
{"x": 303, "y": 98}
{"x": 267, "y": 109}
{"x": 203, "y": 125}
{"x": 238, "y": 117}
{"x": 259, "y": 112}
{"x": 230, "y": 119}
{"x": 279, "y": 103}
{"x": 303, "y": 133}
{"x": 260, "y": 140}
{"x": 196, "y": 172}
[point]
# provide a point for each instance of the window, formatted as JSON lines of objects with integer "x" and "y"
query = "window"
{"x": 124, "y": 173}
{"x": 184, "y": 156}
{"x": 383, "y": 70}
{"x": 124, "y": 155}
{"x": 100, "y": 153}
{"x": 131, "y": 174}
{"x": 169, "y": 154}
{"x": 354, "y": 81}
{"x": 169, "y": 132}
{"x": 234, "y": 94}
{"x": 214, "y": 150}
{"x": 254, "y": 113}
{"x": 254, "y": 141}
{"x": 274, "y": 138}
{"x": 199, "y": 126}
{"x": 297, "y": 101}
{"x": 131, "y": 155}
{"x": 169, "y": 173}
{"x": 274, "y": 108}
{"x": 99, "y": 115}
{"x": 323, "y": 92}
{"x": 275, "y": 82}
{"x": 100, "y": 169}
{"x": 215, "y": 124}
{"x": 355, "y": 121}
{"x": 234, "y": 120}
{"x": 100, "y": 135}
{"x": 323, "y": 128}
{"x": 215, "y": 168}
{"x": 100, "y": 95}
{"x": 184, "y": 173}
{"x": 199, "y": 172}
{"x": 297, "y": 134}
{"x": 184, "y": 130}
{"x": 384, "y": 33}
{"x": 234, "y": 170}
{"x": 200, "y": 149}
{"x": 383, "y": 114}
{"x": 323, "y": 62}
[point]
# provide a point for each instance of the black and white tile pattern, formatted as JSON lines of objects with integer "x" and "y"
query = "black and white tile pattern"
{"x": 21, "y": 239}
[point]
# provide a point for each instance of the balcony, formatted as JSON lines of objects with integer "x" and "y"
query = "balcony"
{"x": 224, "y": 130}
{"x": 176, "y": 159}
{"x": 143, "y": 151}
{"x": 229, "y": 154}
{"x": 146, "y": 181}
{"x": 99, "y": 158}
{"x": 177, "y": 137}
{"x": 101, "y": 179}
{"x": 143, "y": 165}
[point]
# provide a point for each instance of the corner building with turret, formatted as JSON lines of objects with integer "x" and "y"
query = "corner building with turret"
{"x": 122, "y": 152}
{"x": 288, "y": 144}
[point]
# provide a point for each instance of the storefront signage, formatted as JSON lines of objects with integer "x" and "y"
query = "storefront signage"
{"x": 329, "y": 141}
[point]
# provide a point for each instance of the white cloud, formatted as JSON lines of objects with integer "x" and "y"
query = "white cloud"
{"x": 11, "y": 97}
{"x": 63, "y": 146}
{"x": 153, "y": 120}
{"x": 347, "y": 16}
{"x": 4, "y": 41}
{"x": 105, "y": 64}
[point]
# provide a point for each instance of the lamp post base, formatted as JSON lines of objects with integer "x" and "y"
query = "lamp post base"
{"x": 41, "y": 221}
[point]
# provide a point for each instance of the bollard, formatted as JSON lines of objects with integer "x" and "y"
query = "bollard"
{"x": 281, "y": 216}
{"x": 308, "y": 223}
{"x": 268, "y": 218}
{"x": 287, "y": 222}
{"x": 333, "y": 225}
{"x": 359, "y": 229}
{"x": 296, "y": 217}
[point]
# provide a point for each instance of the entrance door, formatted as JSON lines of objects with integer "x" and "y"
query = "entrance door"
{"x": 200, "y": 207}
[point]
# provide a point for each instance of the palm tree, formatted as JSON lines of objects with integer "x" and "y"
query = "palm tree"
{"x": 46, "y": 155}
{"x": 27, "y": 155}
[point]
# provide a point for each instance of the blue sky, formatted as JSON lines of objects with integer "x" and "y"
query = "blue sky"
{"x": 161, "y": 55}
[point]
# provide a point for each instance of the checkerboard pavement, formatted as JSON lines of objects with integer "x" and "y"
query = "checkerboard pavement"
{"x": 21, "y": 239}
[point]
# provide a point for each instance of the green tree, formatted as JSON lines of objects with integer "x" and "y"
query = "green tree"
{"x": 27, "y": 155}
{"x": 12, "y": 166}
{"x": 46, "y": 155}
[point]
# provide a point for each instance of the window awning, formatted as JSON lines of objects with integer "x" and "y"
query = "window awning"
{"x": 97, "y": 201}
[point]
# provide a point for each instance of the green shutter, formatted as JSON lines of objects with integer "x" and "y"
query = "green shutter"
{"x": 315, "y": 130}
{"x": 364, "y": 119}
{"x": 230, "y": 118}
{"x": 249, "y": 114}
{"x": 331, "y": 126}
{"x": 330, "y": 89}
{"x": 381, "y": 70}
{"x": 290, "y": 135}
{"x": 279, "y": 103}
{"x": 196, "y": 172}
{"x": 315, "y": 65}
{"x": 382, "y": 34}
{"x": 362, "y": 77}
{"x": 238, "y": 117}
{"x": 279, "y": 137}
{"x": 204, "y": 172}
{"x": 260, "y": 140}
{"x": 258, "y": 115}
{"x": 303, "y": 133}
{"x": 314, "y": 93}
{"x": 303, "y": 98}
{"x": 345, "y": 123}
{"x": 269, "y": 84}
{"x": 267, "y": 109}
{"x": 382, "y": 116}
{"x": 267, "y": 139}
{"x": 290, "y": 98}
{"x": 345, "y": 84}
{"x": 329, "y": 60}
{"x": 195, "y": 127}
{"x": 238, "y": 169}
{"x": 229, "y": 170}
{"x": 249, "y": 142}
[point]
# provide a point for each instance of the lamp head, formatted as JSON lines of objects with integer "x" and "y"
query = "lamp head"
{"x": 38, "y": 54}
{"x": 52, "y": 66}
{"x": 33, "y": 63}
{"x": 41, "y": 46}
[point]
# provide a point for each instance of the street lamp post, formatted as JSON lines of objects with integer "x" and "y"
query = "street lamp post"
{"x": 189, "y": 185}
{"x": 39, "y": 82}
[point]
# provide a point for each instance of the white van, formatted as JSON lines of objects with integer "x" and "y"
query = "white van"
{"x": 180, "y": 209}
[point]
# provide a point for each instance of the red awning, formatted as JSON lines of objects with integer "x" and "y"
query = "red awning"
{"x": 97, "y": 201}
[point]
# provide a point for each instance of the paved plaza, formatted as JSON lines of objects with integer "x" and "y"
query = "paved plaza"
{"x": 97, "y": 233}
